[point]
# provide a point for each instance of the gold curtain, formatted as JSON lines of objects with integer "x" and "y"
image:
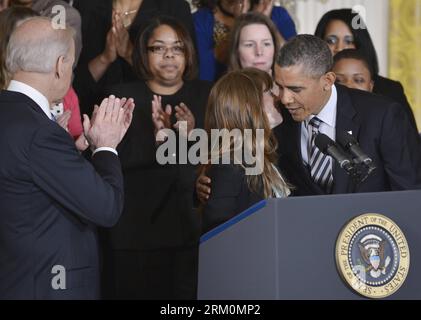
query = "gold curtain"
{"x": 405, "y": 50}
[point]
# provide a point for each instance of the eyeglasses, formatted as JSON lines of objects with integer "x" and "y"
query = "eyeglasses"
{"x": 161, "y": 50}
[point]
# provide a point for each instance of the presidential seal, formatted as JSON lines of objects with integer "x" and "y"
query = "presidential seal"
{"x": 372, "y": 255}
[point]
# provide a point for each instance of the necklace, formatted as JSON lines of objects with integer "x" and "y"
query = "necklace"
{"x": 125, "y": 15}
{"x": 127, "y": 21}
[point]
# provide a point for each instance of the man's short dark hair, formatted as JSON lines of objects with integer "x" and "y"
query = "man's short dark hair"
{"x": 307, "y": 50}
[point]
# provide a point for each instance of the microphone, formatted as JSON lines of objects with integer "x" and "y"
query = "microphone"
{"x": 351, "y": 144}
{"x": 329, "y": 147}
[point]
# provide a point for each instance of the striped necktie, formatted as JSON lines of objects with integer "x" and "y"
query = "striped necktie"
{"x": 320, "y": 164}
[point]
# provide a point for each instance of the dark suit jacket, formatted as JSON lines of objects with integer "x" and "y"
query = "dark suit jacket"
{"x": 394, "y": 90}
{"x": 384, "y": 133}
{"x": 230, "y": 195}
{"x": 51, "y": 198}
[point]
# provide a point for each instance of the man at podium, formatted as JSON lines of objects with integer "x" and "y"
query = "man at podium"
{"x": 315, "y": 104}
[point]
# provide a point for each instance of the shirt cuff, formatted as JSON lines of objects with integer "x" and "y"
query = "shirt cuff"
{"x": 105, "y": 149}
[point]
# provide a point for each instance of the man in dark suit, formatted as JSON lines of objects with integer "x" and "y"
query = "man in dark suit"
{"x": 307, "y": 91}
{"x": 51, "y": 198}
{"x": 313, "y": 100}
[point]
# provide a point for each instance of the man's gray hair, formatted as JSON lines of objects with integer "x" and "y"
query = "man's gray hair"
{"x": 307, "y": 50}
{"x": 38, "y": 53}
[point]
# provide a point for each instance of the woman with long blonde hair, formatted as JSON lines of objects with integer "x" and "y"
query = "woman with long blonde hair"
{"x": 236, "y": 103}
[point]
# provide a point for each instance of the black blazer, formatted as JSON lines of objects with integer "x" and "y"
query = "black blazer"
{"x": 158, "y": 211}
{"x": 394, "y": 90}
{"x": 51, "y": 198}
{"x": 384, "y": 133}
{"x": 96, "y": 22}
{"x": 230, "y": 195}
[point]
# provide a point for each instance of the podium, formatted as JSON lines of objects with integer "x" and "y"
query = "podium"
{"x": 285, "y": 248}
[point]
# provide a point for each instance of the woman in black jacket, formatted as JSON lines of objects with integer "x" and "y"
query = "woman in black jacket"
{"x": 152, "y": 252}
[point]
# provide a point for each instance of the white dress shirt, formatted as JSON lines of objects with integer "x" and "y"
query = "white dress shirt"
{"x": 328, "y": 117}
{"x": 43, "y": 103}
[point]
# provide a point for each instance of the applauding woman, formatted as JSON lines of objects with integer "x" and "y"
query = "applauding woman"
{"x": 152, "y": 252}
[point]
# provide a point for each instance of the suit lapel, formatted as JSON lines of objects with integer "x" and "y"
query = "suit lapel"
{"x": 344, "y": 122}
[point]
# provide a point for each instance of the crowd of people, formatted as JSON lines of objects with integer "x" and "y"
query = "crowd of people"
{"x": 80, "y": 183}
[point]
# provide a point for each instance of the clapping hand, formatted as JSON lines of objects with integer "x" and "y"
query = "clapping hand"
{"x": 110, "y": 122}
{"x": 117, "y": 42}
{"x": 203, "y": 188}
{"x": 81, "y": 143}
{"x": 110, "y": 52}
{"x": 183, "y": 114}
{"x": 63, "y": 119}
{"x": 160, "y": 118}
{"x": 123, "y": 44}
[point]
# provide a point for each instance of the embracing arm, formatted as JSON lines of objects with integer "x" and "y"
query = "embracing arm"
{"x": 222, "y": 205}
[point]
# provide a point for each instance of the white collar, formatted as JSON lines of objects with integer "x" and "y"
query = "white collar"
{"x": 328, "y": 112}
{"x": 32, "y": 93}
